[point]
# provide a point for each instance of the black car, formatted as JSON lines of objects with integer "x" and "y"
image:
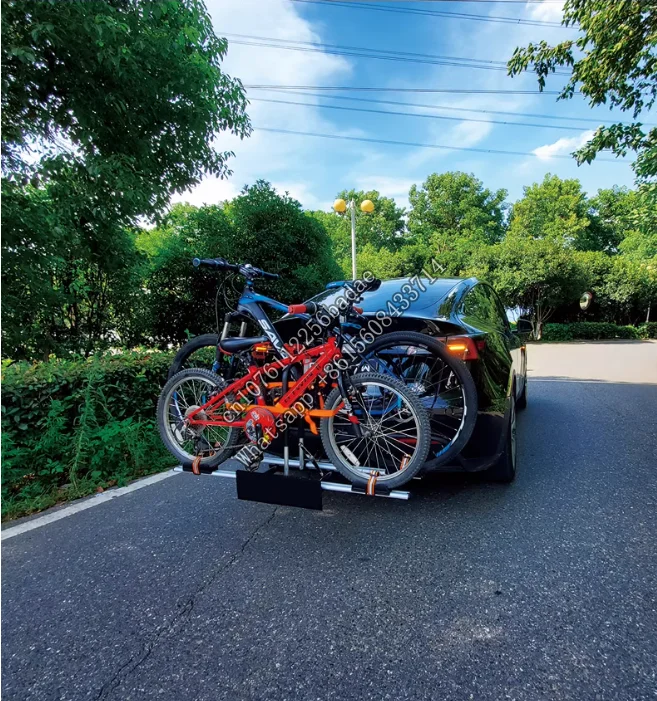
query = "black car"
{"x": 469, "y": 318}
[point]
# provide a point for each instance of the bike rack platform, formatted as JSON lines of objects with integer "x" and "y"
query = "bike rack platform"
{"x": 303, "y": 489}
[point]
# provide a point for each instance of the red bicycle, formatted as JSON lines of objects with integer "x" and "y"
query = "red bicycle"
{"x": 369, "y": 423}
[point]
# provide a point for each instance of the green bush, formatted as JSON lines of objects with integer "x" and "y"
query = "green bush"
{"x": 648, "y": 330}
{"x": 557, "y": 332}
{"x": 71, "y": 426}
{"x": 594, "y": 331}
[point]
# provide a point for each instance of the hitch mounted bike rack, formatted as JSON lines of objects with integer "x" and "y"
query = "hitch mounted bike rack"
{"x": 268, "y": 485}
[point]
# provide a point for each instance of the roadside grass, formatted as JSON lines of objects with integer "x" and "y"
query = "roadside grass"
{"x": 73, "y": 427}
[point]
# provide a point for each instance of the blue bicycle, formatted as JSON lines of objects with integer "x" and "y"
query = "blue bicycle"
{"x": 441, "y": 381}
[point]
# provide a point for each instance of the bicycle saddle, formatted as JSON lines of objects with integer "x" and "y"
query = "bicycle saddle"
{"x": 236, "y": 345}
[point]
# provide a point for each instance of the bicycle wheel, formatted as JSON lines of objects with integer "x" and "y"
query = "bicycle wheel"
{"x": 198, "y": 352}
{"x": 394, "y": 431}
{"x": 201, "y": 352}
{"x": 183, "y": 393}
{"x": 442, "y": 382}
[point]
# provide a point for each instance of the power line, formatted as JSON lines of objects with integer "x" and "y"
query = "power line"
{"x": 417, "y": 145}
{"x": 457, "y": 109}
{"x": 450, "y": 108}
{"x": 415, "y": 114}
{"x": 436, "y": 13}
{"x": 364, "y": 52}
{"x": 454, "y": 91}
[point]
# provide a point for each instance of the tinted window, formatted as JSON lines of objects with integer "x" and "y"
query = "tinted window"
{"x": 481, "y": 309}
{"x": 412, "y": 293}
{"x": 501, "y": 310}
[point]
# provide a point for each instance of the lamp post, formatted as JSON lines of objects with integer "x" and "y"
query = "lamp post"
{"x": 340, "y": 206}
{"x": 651, "y": 274}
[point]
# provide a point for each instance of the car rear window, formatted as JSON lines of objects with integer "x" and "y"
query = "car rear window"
{"x": 410, "y": 290}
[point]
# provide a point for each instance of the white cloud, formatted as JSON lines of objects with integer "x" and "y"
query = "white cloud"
{"x": 263, "y": 154}
{"x": 563, "y": 146}
{"x": 302, "y": 192}
{"x": 467, "y": 134}
{"x": 396, "y": 188}
{"x": 210, "y": 191}
{"x": 546, "y": 11}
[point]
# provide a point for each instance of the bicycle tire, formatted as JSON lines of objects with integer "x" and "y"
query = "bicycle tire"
{"x": 188, "y": 349}
{"x": 359, "y": 477}
{"x": 164, "y": 421}
{"x": 470, "y": 399}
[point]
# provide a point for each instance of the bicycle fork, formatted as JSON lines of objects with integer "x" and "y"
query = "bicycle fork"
{"x": 351, "y": 416}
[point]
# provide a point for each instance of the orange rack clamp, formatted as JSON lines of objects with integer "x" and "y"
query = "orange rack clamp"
{"x": 371, "y": 483}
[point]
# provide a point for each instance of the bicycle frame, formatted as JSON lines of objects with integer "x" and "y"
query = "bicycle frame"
{"x": 320, "y": 356}
{"x": 249, "y": 304}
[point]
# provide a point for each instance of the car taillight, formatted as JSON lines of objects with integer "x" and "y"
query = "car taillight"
{"x": 464, "y": 347}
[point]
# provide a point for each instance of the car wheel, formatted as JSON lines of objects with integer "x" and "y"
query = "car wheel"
{"x": 504, "y": 470}
{"x": 521, "y": 403}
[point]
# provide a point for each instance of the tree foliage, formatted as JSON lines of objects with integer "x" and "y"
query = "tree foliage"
{"x": 614, "y": 62}
{"x": 124, "y": 96}
{"x": 260, "y": 227}
{"x": 536, "y": 275}
{"x": 452, "y": 213}
{"x": 555, "y": 210}
{"x": 107, "y": 109}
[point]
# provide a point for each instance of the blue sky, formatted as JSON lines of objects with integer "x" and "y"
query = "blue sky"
{"x": 314, "y": 169}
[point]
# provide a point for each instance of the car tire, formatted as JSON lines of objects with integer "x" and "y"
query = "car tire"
{"x": 504, "y": 470}
{"x": 521, "y": 402}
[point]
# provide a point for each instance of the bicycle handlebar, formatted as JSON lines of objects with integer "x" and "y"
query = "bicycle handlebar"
{"x": 248, "y": 270}
{"x": 312, "y": 307}
{"x": 216, "y": 263}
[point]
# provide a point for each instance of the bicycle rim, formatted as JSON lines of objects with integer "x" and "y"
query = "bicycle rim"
{"x": 433, "y": 381}
{"x": 183, "y": 397}
{"x": 390, "y": 425}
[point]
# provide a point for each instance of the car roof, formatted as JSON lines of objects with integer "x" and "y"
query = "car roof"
{"x": 431, "y": 292}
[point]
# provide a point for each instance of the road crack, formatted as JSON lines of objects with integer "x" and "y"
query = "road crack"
{"x": 179, "y": 618}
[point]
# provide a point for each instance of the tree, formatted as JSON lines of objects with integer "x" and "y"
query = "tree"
{"x": 272, "y": 232}
{"x": 383, "y": 263}
{"x": 631, "y": 286}
{"x": 260, "y": 227}
{"x": 107, "y": 108}
{"x": 613, "y": 62}
{"x": 60, "y": 291}
{"x": 640, "y": 242}
{"x": 179, "y": 299}
{"x": 613, "y": 217}
{"x": 536, "y": 275}
{"x": 453, "y": 213}
{"x": 555, "y": 210}
{"x": 126, "y": 95}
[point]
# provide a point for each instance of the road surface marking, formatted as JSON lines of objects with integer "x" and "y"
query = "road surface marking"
{"x": 83, "y": 505}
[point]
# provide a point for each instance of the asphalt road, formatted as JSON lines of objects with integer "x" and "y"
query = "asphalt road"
{"x": 545, "y": 589}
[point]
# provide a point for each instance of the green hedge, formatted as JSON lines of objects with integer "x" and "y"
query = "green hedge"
{"x": 593, "y": 331}
{"x": 72, "y": 426}
{"x": 648, "y": 330}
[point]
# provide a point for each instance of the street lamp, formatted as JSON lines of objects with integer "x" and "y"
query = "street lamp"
{"x": 340, "y": 206}
{"x": 650, "y": 272}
